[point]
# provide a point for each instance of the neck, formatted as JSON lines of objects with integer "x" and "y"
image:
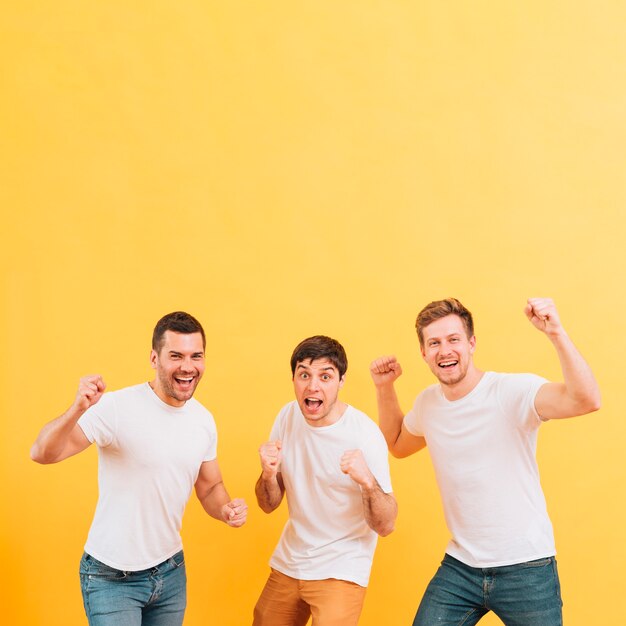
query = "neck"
{"x": 334, "y": 416}
{"x": 164, "y": 397}
{"x": 464, "y": 386}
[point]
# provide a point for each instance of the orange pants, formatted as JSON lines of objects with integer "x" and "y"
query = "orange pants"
{"x": 287, "y": 601}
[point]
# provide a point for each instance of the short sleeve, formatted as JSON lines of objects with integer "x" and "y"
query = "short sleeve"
{"x": 211, "y": 453}
{"x": 516, "y": 396}
{"x": 413, "y": 419}
{"x": 98, "y": 422}
{"x": 278, "y": 430}
{"x": 377, "y": 458}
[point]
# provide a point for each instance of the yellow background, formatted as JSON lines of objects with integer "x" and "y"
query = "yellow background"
{"x": 281, "y": 169}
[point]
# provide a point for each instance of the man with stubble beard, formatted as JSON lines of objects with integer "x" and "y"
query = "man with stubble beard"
{"x": 155, "y": 443}
{"x": 481, "y": 431}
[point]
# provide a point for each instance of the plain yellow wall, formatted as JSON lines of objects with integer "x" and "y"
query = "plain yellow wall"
{"x": 281, "y": 169}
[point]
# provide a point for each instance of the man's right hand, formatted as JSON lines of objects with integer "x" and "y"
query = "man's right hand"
{"x": 90, "y": 390}
{"x": 385, "y": 370}
{"x": 270, "y": 456}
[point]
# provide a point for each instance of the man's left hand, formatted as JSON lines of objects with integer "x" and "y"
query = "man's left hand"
{"x": 354, "y": 465}
{"x": 235, "y": 512}
{"x": 543, "y": 315}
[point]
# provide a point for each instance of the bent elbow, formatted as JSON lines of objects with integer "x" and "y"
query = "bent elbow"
{"x": 39, "y": 456}
{"x": 591, "y": 403}
{"x": 594, "y": 404}
{"x": 386, "y": 530}
{"x": 266, "y": 507}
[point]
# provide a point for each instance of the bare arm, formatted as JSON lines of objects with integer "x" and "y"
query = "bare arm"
{"x": 379, "y": 508}
{"x": 62, "y": 437}
{"x": 270, "y": 488}
{"x": 579, "y": 393}
{"x": 214, "y": 498}
{"x": 401, "y": 443}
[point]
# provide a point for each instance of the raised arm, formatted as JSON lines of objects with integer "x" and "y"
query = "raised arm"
{"x": 385, "y": 371}
{"x": 578, "y": 393}
{"x": 269, "y": 488}
{"x": 379, "y": 508}
{"x": 214, "y": 498}
{"x": 63, "y": 437}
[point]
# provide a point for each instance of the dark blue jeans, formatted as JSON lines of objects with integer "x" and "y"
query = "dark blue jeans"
{"x": 152, "y": 597}
{"x": 525, "y": 594}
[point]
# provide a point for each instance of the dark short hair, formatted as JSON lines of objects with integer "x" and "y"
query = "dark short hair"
{"x": 442, "y": 308}
{"x": 320, "y": 347}
{"x": 177, "y": 322}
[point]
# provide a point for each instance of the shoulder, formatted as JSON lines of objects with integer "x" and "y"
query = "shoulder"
{"x": 362, "y": 425}
{"x": 288, "y": 412}
{"x": 431, "y": 394}
{"x": 285, "y": 422}
{"x": 198, "y": 410}
{"x": 135, "y": 393}
{"x": 516, "y": 381}
{"x": 289, "y": 409}
{"x": 359, "y": 417}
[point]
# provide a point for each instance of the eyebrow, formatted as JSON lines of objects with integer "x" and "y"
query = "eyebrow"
{"x": 176, "y": 353}
{"x": 324, "y": 369}
{"x": 454, "y": 334}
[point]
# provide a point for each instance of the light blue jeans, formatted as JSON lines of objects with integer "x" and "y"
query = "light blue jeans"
{"x": 152, "y": 597}
{"x": 525, "y": 594}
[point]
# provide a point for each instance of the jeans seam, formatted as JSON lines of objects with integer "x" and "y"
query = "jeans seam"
{"x": 467, "y": 616}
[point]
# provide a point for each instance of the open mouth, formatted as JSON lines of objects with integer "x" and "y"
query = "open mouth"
{"x": 184, "y": 381}
{"x": 447, "y": 364}
{"x": 313, "y": 403}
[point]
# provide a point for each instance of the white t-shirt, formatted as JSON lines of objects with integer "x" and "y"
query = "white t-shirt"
{"x": 326, "y": 535}
{"x": 483, "y": 450}
{"x": 149, "y": 457}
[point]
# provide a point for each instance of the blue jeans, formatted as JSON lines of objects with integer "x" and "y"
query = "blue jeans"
{"x": 152, "y": 597}
{"x": 525, "y": 594}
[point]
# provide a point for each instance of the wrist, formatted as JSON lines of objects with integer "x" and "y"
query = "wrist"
{"x": 557, "y": 334}
{"x": 269, "y": 475}
{"x": 75, "y": 412}
{"x": 369, "y": 484}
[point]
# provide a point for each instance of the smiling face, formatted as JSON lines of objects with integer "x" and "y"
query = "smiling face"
{"x": 179, "y": 366}
{"x": 448, "y": 350}
{"x": 317, "y": 384}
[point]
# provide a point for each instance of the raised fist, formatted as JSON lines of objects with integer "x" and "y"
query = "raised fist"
{"x": 385, "y": 370}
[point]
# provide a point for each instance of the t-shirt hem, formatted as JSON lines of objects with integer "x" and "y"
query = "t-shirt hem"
{"x": 126, "y": 567}
{"x": 298, "y": 575}
{"x": 502, "y": 563}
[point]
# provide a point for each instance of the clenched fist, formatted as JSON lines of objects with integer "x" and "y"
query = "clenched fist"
{"x": 543, "y": 315}
{"x": 90, "y": 390}
{"x": 354, "y": 465}
{"x": 270, "y": 456}
{"x": 385, "y": 370}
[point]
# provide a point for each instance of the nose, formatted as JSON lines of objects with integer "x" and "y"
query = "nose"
{"x": 444, "y": 348}
{"x": 186, "y": 365}
{"x": 313, "y": 384}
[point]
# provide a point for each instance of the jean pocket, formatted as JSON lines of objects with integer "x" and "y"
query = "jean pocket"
{"x": 96, "y": 569}
{"x": 178, "y": 559}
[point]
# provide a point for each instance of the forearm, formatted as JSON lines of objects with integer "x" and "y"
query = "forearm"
{"x": 580, "y": 383}
{"x": 380, "y": 509}
{"x": 390, "y": 415}
{"x": 54, "y": 437}
{"x": 214, "y": 500}
{"x": 269, "y": 493}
